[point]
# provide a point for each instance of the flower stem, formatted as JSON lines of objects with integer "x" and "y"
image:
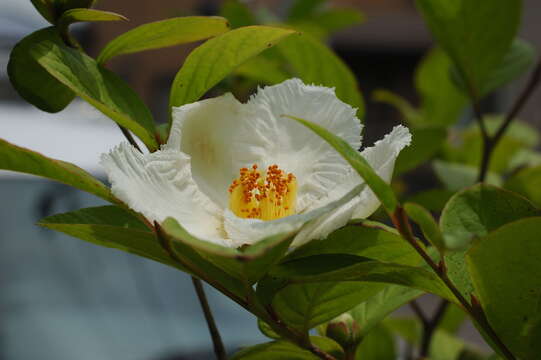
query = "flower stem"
{"x": 219, "y": 349}
{"x": 402, "y": 224}
{"x": 490, "y": 142}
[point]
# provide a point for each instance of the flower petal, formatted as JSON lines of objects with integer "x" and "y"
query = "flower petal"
{"x": 160, "y": 185}
{"x": 294, "y": 148}
{"x": 249, "y": 231}
{"x": 381, "y": 157}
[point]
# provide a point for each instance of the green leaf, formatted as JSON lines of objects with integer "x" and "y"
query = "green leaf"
{"x": 478, "y": 210}
{"x": 506, "y": 273}
{"x": 45, "y": 8}
{"x": 408, "y": 112}
{"x": 302, "y": 9}
{"x": 249, "y": 265}
{"x": 280, "y": 350}
{"x": 456, "y": 176}
{"x": 216, "y": 58}
{"x": 382, "y": 190}
{"x": 428, "y": 225}
{"x": 262, "y": 69}
{"x": 378, "y": 344}
{"x": 100, "y": 87}
{"x": 432, "y": 199}
{"x": 164, "y": 33}
{"x": 87, "y": 15}
{"x": 475, "y": 34}
{"x": 425, "y": 143}
{"x": 372, "y": 311}
{"x": 332, "y": 20}
{"x": 267, "y": 330}
{"x": 113, "y": 227}
{"x": 237, "y": 13}
{"x": 527, "y": 182}
{"x": 315, "y": 63}
{"x": 19, "y": 159}
{"x": 441, "y": 102}
{"x": 32, "y": 82}
{"x": 452, "y": 319}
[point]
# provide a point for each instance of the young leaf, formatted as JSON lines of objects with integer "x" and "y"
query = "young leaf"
{"x": 32, "y": 82}
{"x": 428, "y": 225}
{"x": 100, "y": 87}
{"x": 382, "y": 190}
{"x": 506, "y": 274}
{"x": 162, "y": 34}
{"x": 211, "y": 62}
{"x": 86, "y": 15}
{"x": 475, "y": 34}
{"x": 19, "y": 159}
{"x": 315, "y": 63}
{"x": 113, "y": 227}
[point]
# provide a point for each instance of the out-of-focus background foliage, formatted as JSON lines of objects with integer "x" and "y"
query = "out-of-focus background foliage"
{"x": 63, "y": 299}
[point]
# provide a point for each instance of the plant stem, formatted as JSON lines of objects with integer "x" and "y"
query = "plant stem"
{"x": 402, "y": 224}
{"x": 129, "y": 137}
{"x": 429, "y": 325}
{"x": 490, "y": 142}
{"x": 219, "y": 349}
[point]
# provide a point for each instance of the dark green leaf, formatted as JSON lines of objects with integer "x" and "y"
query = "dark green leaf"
{"x": 433, "y": 199}
{"x": 378, "y": 344}
{"x": 110, "y": 226}
{"x": 428, "y": 225}
{"x": 280, "y": 350}
{"x": 302, "y": 9}
{"x": 441, "y": 102}
{"x": 32, "y": 82}
{"x": 478, "y": 210}
{"x": 425, "y": 143}
{"x": 527, "y": 182}
{"x": 506, "y": 273}
{"x": 162, "y": 34}
{"x": 456, "y": 176}
{"x": 315, "y": 63}
{"x": 382, "y": 190}
{"x": 475, "y": 34}
{"x": 216, "y": 58}
{"x": 452, "y": 319}
{"x": 19, "y": 159}
{"x": 237, "y": 13}
{"x": 45, "y": 8}
{"x": 100, "y": 87}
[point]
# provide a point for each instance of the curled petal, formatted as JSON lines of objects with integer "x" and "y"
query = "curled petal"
{"x": 160, "y": 185}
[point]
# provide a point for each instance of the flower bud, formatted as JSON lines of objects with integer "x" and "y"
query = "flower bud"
{"x": 344, "y": 330}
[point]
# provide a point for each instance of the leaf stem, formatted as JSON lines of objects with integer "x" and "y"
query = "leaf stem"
{"x": 129, "y": 137}
{"x": 402, "y": 224}
{"x": 219, "y": 348}
{"x": 490, "y": 142}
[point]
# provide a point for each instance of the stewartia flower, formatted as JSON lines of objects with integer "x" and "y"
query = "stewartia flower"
{"x": 234, "y": 173}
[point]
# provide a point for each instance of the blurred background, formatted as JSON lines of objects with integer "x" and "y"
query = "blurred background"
{"x": 61, "y": 298}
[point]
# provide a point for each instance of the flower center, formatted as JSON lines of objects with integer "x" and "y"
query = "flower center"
{"x": 268, "y": 198}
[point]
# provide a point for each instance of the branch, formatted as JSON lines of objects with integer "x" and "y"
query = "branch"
{"x": 219, "y": 349}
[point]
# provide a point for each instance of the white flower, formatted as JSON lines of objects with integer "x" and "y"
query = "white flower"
{"x": 198, "y": 176}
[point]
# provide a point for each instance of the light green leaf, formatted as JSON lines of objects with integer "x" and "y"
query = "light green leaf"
{"x": 100, "y": 87}
{"x": 32, "y": 82}
{"x": 425, "y": 143}
{"x": 382, "y": 190}
{"x": 428, "y": 225}
{"x": 19, "y": 159}
{"x": 113, "y": 227}
{"x": 478, "y": 210}
{"x": 164, "y": 33}
{"x": 216, "y": 58}
{"x": 315, "y": 63}
{"x": 378, "y": 344}
{"x": 267, "y": 330}
{"x": 280, "y": 350}
{"x": 441, "y": 102}
{"x": 408, "y": 112}
{"x": 262, "y": 69}
{"x": 87, "y": 15}
{"x": 527, "y": 182}
{"x": 506, "y": 273}
{"x": 456, "y": 176}
{"x": 475, "y": 34}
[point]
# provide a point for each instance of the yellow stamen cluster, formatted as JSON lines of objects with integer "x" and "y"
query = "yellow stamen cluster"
{"x": 268, "y": 198}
